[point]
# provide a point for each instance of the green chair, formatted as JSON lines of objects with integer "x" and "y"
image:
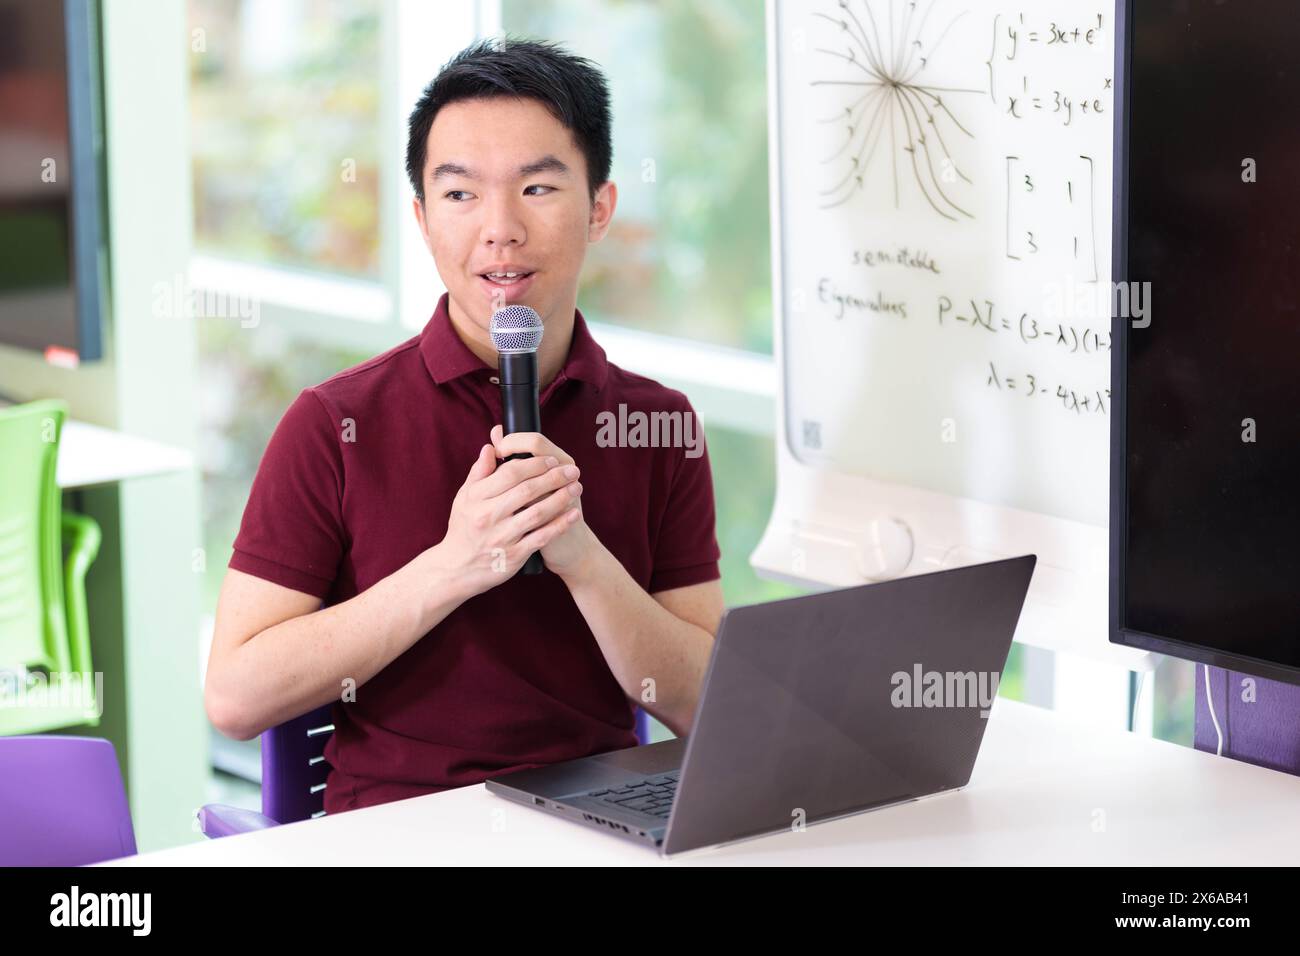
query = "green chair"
{"x": 46, "y": 677}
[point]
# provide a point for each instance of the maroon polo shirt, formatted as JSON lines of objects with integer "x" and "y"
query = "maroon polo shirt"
{"x": 358, "y": 479}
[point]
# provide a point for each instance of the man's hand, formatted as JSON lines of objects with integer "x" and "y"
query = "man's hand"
{"x": 503, "y": 513}
{"x": 565, "y": 551}
{"x": 667, "y": 636}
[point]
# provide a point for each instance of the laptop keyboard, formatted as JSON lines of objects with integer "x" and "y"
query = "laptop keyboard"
{"x": 653, "y": 795}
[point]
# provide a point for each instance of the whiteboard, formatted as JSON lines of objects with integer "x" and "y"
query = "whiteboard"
{"x": 944, "y": 193}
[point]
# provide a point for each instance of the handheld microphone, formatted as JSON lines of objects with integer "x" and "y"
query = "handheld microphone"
{"x": 516, "y": 332}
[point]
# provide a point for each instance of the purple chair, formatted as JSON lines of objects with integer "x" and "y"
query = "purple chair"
{"x": 293, "y": 776}
{"x": 62, "y": 802}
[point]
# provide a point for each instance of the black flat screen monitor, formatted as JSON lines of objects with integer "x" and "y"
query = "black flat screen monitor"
{"x": 1205, "y": 463}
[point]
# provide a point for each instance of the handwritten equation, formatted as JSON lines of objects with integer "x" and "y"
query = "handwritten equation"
{"x": 1095, "y": 401}
{"x": 1026, "y": 328}
{"x": 1015, "y": 82}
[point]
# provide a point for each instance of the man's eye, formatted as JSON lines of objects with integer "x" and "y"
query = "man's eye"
{"x": 455, "y": 194}
{"x": 539, "y": 186}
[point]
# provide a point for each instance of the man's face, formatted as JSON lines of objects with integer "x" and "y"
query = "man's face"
{"x": 505, "y": 190}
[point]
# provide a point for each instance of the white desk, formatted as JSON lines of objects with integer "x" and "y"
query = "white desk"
{"x": 91, "y": 455}
{"x": 1045, "y": 791}
{"x": 94, "y": 455}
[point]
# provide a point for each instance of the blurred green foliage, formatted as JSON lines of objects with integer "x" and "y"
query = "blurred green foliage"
{"x": 688, "y": 252}
{"x": 284, "y": 132}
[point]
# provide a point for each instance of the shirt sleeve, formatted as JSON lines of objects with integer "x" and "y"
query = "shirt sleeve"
{"x": 292, "y": 531}
{"x": 686, "y": 550}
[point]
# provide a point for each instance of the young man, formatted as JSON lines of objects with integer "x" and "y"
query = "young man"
{"x": 375, "y": 564}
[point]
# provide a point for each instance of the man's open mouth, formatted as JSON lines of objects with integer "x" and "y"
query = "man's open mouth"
{"x": 505, "y": 278}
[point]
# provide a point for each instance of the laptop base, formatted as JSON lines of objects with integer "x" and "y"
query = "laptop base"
{"x": 562, "y": 789}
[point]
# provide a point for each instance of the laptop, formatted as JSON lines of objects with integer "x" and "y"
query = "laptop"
{"x": 812, "y": 708}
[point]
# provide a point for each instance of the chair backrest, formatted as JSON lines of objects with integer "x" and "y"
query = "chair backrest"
{"x": 294, "y": 767}
{"x": 62, "y": 802}
{"x": 33, "y": 630}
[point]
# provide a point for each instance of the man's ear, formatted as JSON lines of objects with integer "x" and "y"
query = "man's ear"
{"x": 417, "y": 207}
{"x": 602, "y": 211}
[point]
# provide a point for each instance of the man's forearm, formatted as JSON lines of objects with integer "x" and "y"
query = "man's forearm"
{"x": 303, "y": 663}
{"x": 641, "y": 639}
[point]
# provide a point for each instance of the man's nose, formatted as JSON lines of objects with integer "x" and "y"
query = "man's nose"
{"x": 502, "y": 224}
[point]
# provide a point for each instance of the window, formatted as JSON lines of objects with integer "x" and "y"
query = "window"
{"x": 283, "y": 93}
{"x": 284, "y": 131}
{"x": 687, "y": 254}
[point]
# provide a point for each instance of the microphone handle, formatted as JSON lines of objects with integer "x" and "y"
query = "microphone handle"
{"x": 520, "y": 413}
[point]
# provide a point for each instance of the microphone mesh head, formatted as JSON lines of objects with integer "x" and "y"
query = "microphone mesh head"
{"x": 516, "y": 328}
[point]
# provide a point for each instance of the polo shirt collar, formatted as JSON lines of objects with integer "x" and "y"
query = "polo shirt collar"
{"x": 447, "y": 357}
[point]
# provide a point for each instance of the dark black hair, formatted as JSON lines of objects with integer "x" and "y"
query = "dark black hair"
{"x": 571, "y": 87}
